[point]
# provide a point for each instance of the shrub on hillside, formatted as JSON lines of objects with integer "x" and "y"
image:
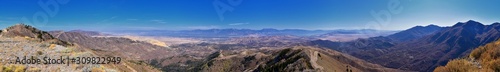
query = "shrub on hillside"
{"x": 493, "y": 65}
{"x": 488, "y": 57}
{"x": 458, "y": 65}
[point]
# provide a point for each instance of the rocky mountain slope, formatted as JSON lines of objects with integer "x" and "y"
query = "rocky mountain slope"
{"x": 125, "y": 47}
{"x": 419, "y": 48}
{"x": 22, "y": 40}
{"x": 437, "y": 49}
{"x": 376, "y": 43}
{"x": 290, "y": 59}
{"x": 482, "y": 59}
{"x": 244, "y": 54}
{"x": 21, "y": 30}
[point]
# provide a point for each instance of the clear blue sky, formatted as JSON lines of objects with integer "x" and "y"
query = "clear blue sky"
{"x": 249, "y": 14}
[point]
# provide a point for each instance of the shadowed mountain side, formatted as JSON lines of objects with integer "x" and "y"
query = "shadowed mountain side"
{"x": 437, "y": 49}
{"x": 419, "y": 54}
{"x": 376, "y": 43}
{"x": 415, "y": 33}
{"x": 482, "y": 59}
{"x": 115, "y": 45}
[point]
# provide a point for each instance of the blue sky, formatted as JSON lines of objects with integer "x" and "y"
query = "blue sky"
{"x": 248, "y": 14}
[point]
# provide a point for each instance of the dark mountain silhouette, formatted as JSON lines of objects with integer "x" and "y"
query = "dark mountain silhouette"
{"x": 414, "y": 33}
{"x": 437, "y": 49}
{"x": 419, "y": 48}
{"x": 374, "y": 43}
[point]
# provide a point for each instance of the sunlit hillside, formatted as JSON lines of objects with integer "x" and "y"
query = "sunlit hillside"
{"x": 482, "y": 59}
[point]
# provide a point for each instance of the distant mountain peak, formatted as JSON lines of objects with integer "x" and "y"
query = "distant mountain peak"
{"x": 474, "y": 22}
{"x": 432, "y": 25}
{"x": 415, "y": 32}
{"x": 470, "y": 23}
{"x": 428, "y": 26}
{"x": 424, "y": 27}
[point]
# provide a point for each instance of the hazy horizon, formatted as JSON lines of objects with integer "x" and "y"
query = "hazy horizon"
{"x": 244, "y": 14}
{"x": 250, "y": 35}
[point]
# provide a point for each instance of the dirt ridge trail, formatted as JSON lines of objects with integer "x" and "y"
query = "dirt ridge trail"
{"x": 314, "y": 58}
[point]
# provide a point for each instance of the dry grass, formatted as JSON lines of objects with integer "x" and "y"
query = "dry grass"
{"x": 13, "y": 68}
{"x": 488, "y": 57}
{"x": 458, "y": 65}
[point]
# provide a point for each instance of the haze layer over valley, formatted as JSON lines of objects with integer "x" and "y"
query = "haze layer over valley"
{"x": 420, "y": 48}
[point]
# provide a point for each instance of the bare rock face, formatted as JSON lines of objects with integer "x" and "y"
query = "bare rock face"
{"x": 23, "y": 41}
{"x": 21, "y": 30}
{"x": 115, "y": 45}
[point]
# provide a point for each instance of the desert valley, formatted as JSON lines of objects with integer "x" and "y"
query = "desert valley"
{"x": 465, "y": 46}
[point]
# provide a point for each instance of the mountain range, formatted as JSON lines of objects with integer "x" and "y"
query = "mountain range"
{"x": 243, "y": 54}
{"x": 419, "y": 48}
{"x": 113, "y": 45}
{"x": 228, "y": 33}
{"x": 23, "y": 40}
{"x": 482, "y": 59}
{"x": 297, "y": 58}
